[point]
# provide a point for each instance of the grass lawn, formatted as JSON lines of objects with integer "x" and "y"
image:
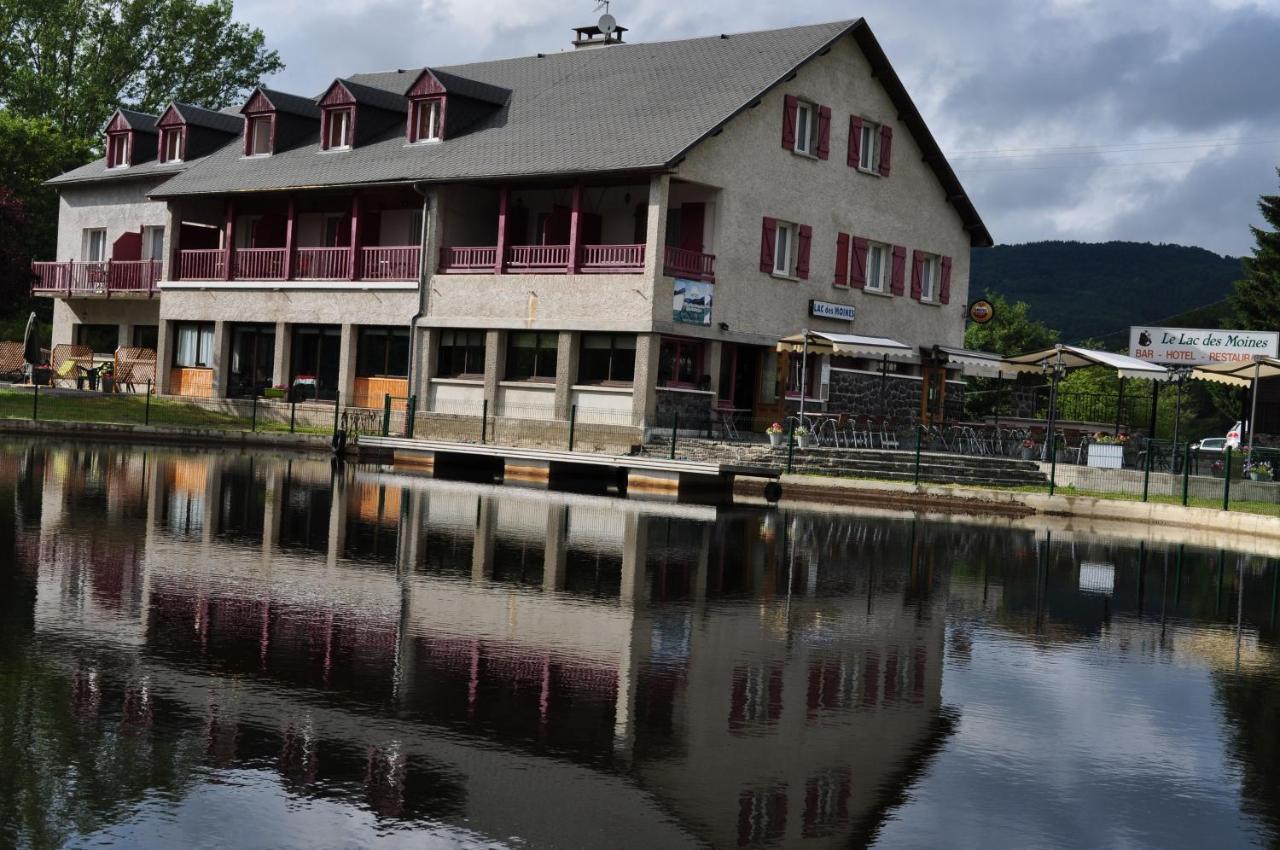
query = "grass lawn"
{"x": 124, "y": 409}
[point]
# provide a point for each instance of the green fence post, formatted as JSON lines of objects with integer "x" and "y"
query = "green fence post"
{"x": 146, "y": 411}
{"x": 253, "y": 414}
{"x": 1186, "y": 474}
{"x": 1053, "y": 463}
{"x": 412, "y": 416}
{"x": 386, "y": 414}
{"x": 573, "y": 420}
{"x": 337, "y": 412}
{"x": 1146, "y": 470}
{"x": 791, "y": 443}
{"x": 484, "y": 420}
{"x": 35, "y": 402}
{"x": 293, "y": 415}
{"x": 919, "y": 440}
{"x": 675, "y": 425}
{"x": 1226, "y": 481}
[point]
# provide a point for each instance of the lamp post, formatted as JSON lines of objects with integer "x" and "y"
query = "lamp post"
{"x": 1049, "y": 441}
{"x": 1253, "y": 407}
{"x": 804, "y": 373}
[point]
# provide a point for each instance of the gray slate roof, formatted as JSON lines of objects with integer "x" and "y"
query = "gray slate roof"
{"x": 375, "y": 97}
{"x": 295, "y": 104}
{"x": 139, "y": 121}
{"x": 201, "y": 117}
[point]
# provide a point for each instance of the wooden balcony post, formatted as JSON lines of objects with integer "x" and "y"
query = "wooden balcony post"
{"x": 288, "y": 238}
{"x": 355, "y": 237}
{"x": 230, "y": 237}
{"x": 106, "y": 281}
{"x": 575, "y": 229}
{"x": 500, "y": 263}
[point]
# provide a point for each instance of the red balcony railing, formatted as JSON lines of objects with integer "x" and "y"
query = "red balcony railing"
{"x": 482, "y": 260}
{"x": 398, "y": 262}
{"x": 201, "y": 264}
{"x": 679, "y": 262}
{"x": 612, "y": 258}
{"x": 108, "y": 277}
{"x": 259, "y": 264}
{"x": 322, "y": 264}
{"x": 538, "y": 258}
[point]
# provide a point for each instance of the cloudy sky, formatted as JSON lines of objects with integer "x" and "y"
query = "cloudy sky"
{"x": 1156, "y": 120}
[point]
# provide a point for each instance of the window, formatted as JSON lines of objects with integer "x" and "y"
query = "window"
{"x": 153, "y": 243}
{"x": 332, "y": 229}
{"x": 532, "y": 356}
{"x": 339, "y": 130}
{"x": 806, "y": 126}
{"x": 382, "y": 353}
{"x": 929, "y": 277}
{"x": 171, "y": 145}
{"x": 877, "y": 267}
{"x": 95, "y": 245}
{"x": 118, "y": 150}
{"x": 607, "y": 359}
{"x": 427, "y": 124}
{"x": 810, "y": 371}
{"x": 869, "y": 148}
{"x": 784, "y": 249}
{"x": 193, "y": 344}
{"x": 102, "y": 339}
{"x": 260, "y": 135}
{"x": 146, "y": 336}
{"x": 461, "y": 354}
{"x": 680, "y": 363}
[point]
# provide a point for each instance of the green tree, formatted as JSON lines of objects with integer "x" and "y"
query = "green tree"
{"x": 74, "y": 61}
{"x": 1011, "y": 331}
{"x": 1256, "y": 298}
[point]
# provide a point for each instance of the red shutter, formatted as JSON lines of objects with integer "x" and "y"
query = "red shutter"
{"x": 842, "y": 260}
{"x": 768, "y": 239}
{"x": 789, "y": 105}
{"x": 886, "y": 149}
{"x": 802, "y": 254}
{"x": 858, "y": 279}
{"x": 855, "y": 140}
{"x": 824, "y": 132}
{"x": 899, "y": 270}
{"x": 917, "y": 274}
{"x": 944, "y": 288}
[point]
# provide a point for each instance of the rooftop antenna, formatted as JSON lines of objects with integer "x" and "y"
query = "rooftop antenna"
{"x": 607, "y": 23}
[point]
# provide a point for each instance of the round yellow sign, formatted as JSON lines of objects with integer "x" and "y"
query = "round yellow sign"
{"x": 981, "y": 311}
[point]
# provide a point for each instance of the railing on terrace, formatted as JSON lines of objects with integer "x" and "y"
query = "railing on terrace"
{"x": 201, "y": 264}
{"x": 468, "y": 259}
{"x": 538, "y": 258}
{"x": 679, "y": 262}
{"x": 612, "y": 258}
{"x": 259, "y": 264}
{"x": 107, "y": 277}
{"x": 322, "y": 264}
{"x": 398, "y": 262}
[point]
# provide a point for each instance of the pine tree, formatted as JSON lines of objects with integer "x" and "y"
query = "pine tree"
{"x": 1256, "y": 300}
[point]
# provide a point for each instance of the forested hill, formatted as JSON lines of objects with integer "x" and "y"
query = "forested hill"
{"x": 1091, "y": 290}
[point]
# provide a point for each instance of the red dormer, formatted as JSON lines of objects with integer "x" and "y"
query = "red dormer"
{"x": 428, "y": 101}
{"x": 173, "y": 136}
{"x": 119, "y": 142}
{"x": 259, "y": 125}
{"x": 337, "y": 118}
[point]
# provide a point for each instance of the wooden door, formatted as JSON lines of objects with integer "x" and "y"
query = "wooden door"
{"x": 933, "y": 395}
{"x": 692, "y": 222}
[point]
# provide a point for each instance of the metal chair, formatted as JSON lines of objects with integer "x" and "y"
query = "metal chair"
{"x": 888, "y": 434}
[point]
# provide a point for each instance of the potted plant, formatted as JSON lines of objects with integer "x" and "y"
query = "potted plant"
{"x": 1260, "y": 471}
{"x": 802, "y": 437}
{"x": 775, "y": 434}
{"x": 1106, "y": 451}
{"x": 106, "y": 377}
{"x": 1028, "y": 449}
{"x": 276, "y": 393}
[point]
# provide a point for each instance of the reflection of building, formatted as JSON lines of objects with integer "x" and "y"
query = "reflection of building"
{"x": 666, "y": 672}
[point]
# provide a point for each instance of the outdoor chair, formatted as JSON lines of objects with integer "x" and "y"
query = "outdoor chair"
{"x": 69, "y": 362}
{"x": 888, "y": 434}
{"x": 861, "y": 432}
{"x": 832, "y": 430}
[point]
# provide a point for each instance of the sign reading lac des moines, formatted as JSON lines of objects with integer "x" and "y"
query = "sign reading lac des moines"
{"x": 1197, "y": 346}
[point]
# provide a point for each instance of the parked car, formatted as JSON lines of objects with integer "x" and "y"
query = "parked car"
{"x": 1219, "y": 444}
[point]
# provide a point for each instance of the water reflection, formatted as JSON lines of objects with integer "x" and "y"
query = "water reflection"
{"x": 400, "y": 658}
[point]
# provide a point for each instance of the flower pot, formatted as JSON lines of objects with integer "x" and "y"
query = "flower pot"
{"x": 775, "y": 438}
{"x": 1259, "y": 476}
{"x": 108, "y": 384}
{"x": 803, "y": 440}
{"x": 1106, "y": 455}
{"x": 1028, "y": 454}
{"x": 41, "y": 375}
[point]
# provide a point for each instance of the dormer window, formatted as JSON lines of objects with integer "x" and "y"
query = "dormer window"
{"x": 338, "y": 129}
{"x": 171, "y": 145}
{"x": 118, "y": 150}
{"x": 428, "y": 120}
{"x": 259, "y": 134}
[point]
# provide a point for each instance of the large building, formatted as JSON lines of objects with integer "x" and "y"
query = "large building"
{"x": 624, "y": 228}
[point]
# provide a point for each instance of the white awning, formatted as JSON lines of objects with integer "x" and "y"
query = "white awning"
{"x": 982, "y": 364}
{"x": 1078, "y": 358}
{"x": 1238, "y": 374}
{"x": 849, "y": 345}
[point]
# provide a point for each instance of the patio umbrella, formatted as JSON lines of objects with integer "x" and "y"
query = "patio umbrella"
{"x": 31, "y": 346}
{"x": 1241, "y": 373}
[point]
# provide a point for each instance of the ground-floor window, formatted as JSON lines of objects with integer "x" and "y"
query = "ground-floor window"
{"x": 460, "y": 354}
{"x": 382, "y": 353}
{"x": 146, "y": 336}
{"x": 680, "y": 362}
{"x": 799, "y": 368}
{"x": 607, "y": 359}
{"x": 314, "y": 360}
{"x": 531, "y": 356}
{"x": 193, "y": 344}
{"x": 253, "y": 356}
{"x": 103, "y": 339}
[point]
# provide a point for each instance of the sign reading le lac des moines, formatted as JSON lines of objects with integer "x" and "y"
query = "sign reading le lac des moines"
{"x": 1196, "y": 346}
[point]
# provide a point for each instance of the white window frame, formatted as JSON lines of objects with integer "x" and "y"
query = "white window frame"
{"x": 174, "y": 135}
{"x": 878, "y": 282}
{"x": 930, "y": 265}
{"x": 785, "y": 243}
{"x": 341, "y": 120}
{"x": 89, "y": 239}
{"x": 428, "y": 131}
{"x": 255, "y": 122}
{"x": 869, "y": 148}
{"x": 121, "y": 160}
{"x": 153, "y": 243}
{"x": 805, "y": 140}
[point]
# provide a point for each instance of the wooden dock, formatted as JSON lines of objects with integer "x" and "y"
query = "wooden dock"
{"x": 632, "y": 474}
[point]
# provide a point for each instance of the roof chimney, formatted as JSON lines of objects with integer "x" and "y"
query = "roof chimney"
{"x": 601, "y": 34}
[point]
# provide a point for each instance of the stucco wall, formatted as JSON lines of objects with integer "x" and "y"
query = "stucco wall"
{"x": 119, "y": 206}
{"x": 295, "y": 306}
{"x": 762, "y": 179}
{"x": 123, "y": 312}
{"x": 617, "y": 302}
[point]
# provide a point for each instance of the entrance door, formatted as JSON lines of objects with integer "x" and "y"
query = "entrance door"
{"x": 693, "y": 218}
{"x": 314, "y": 361}
{"x": 739, "y": 375}
{"x": 933, "y": 394}
{"x": 253, "y": 352}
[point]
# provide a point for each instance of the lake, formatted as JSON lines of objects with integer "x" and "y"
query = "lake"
{"x": 224, "y": 650}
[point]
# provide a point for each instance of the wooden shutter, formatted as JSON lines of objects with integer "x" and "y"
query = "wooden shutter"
{"x": 768, "y": 238}
{"x": 824, "y": 132}
{"x": 944, "y": 288}
{"x": 802, "y": 254}
{"x": 842, "y": 260}
{"x": 789, "y": 107}
{"x": 899, "y": 270}
{"x": 917, "y": 274}
{"x": 886, "y": 149}
{"x": 693, "y": 217}
{"x": 855, "y": 140}
{"x": 858, "y": 279}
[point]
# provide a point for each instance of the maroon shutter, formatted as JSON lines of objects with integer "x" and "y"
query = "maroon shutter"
{"x": 917, "y": 274}
{"x": 842, "y": 260}
{"x": 768, "y": 239}
{"x": 886, "y": 149}
{"x": 802, "y": 254}
{"x": 944, "y": 288}
{"x": 858, "y": 279}
{"x": 824, "y": 132}
{"x": 789, "y": 105}
{"x": 693, "y": 217}
{"x": 899, "y": 270}
{"x": 855, "y": 141}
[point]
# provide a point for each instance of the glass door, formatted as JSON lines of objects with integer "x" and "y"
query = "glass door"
{"x": 314, "y": 364}
{"x": 253, "y": 351}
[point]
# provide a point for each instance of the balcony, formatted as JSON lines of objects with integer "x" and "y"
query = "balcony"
{"x": 691, "y": 265}
{"x": 593, "y": 259}
{"x": 80, "y": 279}
{"x": 378, "y": 262}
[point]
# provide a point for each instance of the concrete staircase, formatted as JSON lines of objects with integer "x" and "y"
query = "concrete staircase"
{"x": 935, "y": 467}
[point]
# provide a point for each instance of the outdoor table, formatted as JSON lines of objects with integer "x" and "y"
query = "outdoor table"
{"x": 727, "y": 425}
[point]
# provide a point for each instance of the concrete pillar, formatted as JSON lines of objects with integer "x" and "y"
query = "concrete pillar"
{"x": 656, "y": 229}
{"x": 555, "y": 559}
{"x": 221, "y": 357}
{"x": 428, "y": 357}
{"x": 347, "y": 362}
{"x": 172, "y": 231}
{"x": 644, "y": 396}
{"x": 164, "y": 355}
{"x": 495, "y": 345}
{"x": 280, "y": 358}
{"x": 124, "y": 335}
{"x": 566, "y": 372}
{"x": 711, "y": 366}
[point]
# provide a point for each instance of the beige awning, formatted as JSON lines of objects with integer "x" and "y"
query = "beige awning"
{"x": 980, "y": 364}
{"x": 849, "y": 345}
{"x": 1073, "y": 357}
{"x": 1238, "y": 373}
